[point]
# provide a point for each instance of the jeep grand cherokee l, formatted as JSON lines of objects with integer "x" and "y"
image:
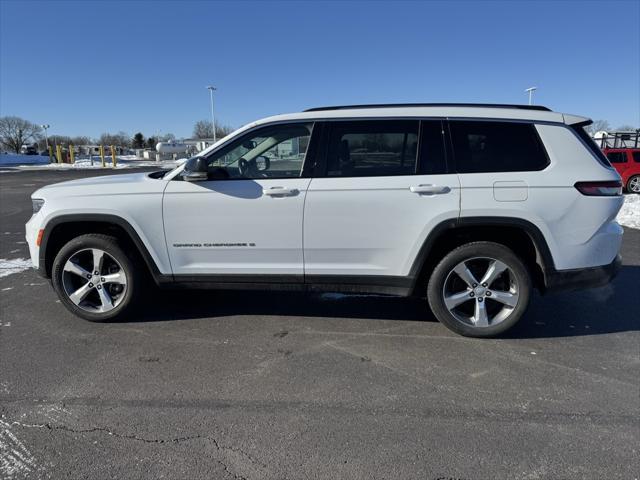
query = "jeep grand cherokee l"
{"x": 470, "y": 206}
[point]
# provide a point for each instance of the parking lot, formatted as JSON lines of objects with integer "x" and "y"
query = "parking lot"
{"x": 288, "y": 385}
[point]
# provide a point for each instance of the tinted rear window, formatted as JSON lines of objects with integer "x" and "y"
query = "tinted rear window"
{"x": 636, "y": 156}
{"x": 496, "y": 147}
{"x": 372, "y": 148}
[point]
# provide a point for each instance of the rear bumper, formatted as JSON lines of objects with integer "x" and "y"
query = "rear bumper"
{"x": 579, "y": 278}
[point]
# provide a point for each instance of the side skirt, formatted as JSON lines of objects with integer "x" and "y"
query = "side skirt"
{"x": 398, "y": 286}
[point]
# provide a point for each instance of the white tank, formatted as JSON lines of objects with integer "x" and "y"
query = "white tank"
{"x": 171, "y": 147}
{"x": 600, "y": 138}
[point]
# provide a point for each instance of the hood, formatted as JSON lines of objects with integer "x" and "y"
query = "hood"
{"x": 129, "y": 183}
{"x": 126, "y": 178}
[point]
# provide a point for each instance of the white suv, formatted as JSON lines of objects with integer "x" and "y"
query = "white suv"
{"x": 471, "y": 206}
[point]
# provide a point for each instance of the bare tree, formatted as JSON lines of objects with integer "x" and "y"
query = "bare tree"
{"x": 167, "y": 137}
{"x": 59, "y": 140}
{"x": 16, "y": 132}
{"x": 120, "y": 139}
{"x": 597, "y": 126}
{"x": 626, "y": 128}
{"x": 223, "y": 130}
{"x": 202, "y": 129}
{"x": 81, "y": 140}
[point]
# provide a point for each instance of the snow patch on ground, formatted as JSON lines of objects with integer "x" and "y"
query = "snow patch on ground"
{"x": 13, "y": 265}
{"x": 122, "y": 161}
{"x": 629, "y": 215}
{"x": 15, "y": 159}
{"x": 16, "y": 461}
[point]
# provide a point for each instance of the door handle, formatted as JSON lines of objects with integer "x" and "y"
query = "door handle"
{"x": 430, "y": 189}
{"x": 280, "y": 191}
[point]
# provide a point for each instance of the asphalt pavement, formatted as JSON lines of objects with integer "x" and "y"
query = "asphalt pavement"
{"x": 257, "y": 385}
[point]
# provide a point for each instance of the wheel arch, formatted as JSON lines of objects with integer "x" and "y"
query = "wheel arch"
{"x": 59, "y": 230}
{"x": 521, "y": 236}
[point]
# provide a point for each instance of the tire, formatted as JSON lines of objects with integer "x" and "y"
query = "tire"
{"x": 503, "y": 301}
{"x": 633, "y": 184}
{"x": 110, "y": 292}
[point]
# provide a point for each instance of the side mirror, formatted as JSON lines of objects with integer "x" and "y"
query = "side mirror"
{"x": 196, "y": 170}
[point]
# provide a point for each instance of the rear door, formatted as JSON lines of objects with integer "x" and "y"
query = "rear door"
{"x": 380, "y": 188}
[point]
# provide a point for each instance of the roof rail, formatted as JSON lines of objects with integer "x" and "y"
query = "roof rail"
{"x": 401, "y": 105}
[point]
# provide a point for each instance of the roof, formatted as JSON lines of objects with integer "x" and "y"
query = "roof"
{"x": 396, "y": 105}
{"x": 425, "y": 110}
{"x": 418, "y": 110}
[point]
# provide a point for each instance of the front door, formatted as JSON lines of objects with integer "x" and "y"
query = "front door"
{"x": 245, "y": 222}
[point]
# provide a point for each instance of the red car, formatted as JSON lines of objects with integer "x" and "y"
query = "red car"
{"x": 627, "y": 162}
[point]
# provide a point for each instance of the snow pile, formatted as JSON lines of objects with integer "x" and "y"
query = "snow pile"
{"x": 629, "y": 215}
{"x": 13, "y": 265}
{"x": 15, "y": 159}
{"x": 124, "y": 161}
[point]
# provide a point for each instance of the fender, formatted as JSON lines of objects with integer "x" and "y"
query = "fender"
{"x": 543, "y": 254}
{"x": 537, "y": 237}
{"x": 107, "y": 219}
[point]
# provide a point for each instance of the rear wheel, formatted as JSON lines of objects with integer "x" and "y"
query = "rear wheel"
{"x": 95, "y": 279}
{"x": 633, "y": 185}
{"x": 480, "y": 289}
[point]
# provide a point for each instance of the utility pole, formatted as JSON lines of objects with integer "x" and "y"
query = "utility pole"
{"x": 531, "y": 90}
{"x": 46, "y": 137}
{"x": 211, "y": 88}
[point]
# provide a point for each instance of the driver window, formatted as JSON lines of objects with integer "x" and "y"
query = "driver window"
{"x": 271, "y": 152}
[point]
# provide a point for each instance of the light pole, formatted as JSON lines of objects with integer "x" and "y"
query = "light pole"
{"x": 46, "y": 137}
{"x": 211, "y": 88}
{"x": 531, "y": 90}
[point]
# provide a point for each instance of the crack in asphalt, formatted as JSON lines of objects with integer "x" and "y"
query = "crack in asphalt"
{"x": 161, "y": 441}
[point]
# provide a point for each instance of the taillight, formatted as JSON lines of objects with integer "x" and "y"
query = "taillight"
{"x": 600, "y": 189}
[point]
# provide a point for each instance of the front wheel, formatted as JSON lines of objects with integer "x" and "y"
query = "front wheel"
{"x": 480, "y": 289}
{"x": 95, "y": 279}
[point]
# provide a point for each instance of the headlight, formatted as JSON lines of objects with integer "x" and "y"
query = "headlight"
{"x": 37, "y": 204}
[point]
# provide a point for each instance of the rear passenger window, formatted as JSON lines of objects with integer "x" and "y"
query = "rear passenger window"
{"x": 636, "y": 156}
{"x": 497, "y": 147}
{"x": 372, "y": 148}
{"x": 617, "y": 157}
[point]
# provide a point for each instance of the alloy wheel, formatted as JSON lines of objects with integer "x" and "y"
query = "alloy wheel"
{"x": 94, "y": 281}
{"x": 634, "y": 184}
{"x": 481, "y": 292}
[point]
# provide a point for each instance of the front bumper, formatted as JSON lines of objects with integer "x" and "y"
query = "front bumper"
{"x": 579, "y": 278}
{"x": 31, "y": 235}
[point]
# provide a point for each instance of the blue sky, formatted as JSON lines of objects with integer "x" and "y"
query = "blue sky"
{"x": 91, "y": 67}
